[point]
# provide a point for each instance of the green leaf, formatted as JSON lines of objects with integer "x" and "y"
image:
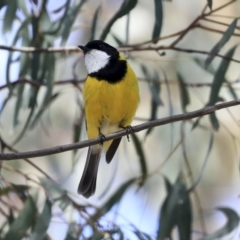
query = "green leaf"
{"x": 56, "y": 192}
{"x": 125, "y": 8}
{"x": 17, "y": 36}
{"x": 225, "y": 38}
{"x": 209, "y": 4}
{"x": 24, "y": 221}
{"x": 117, "y": 40}
{"x": 158, "y": 20}
{"x": 43, "y": 220}
{"x": 232, "y": 223}
{"x": 48, "y": 73}
{"x": 20, "y": 190}
{"x": 175, "y": 211}
{"x": 69, "y": 237}
{"x": 3, "y": 3}
{"x": 201, "y": 64}
{"x": 155, "y": 87}
{"x": 77, "y": 129}
{"x": 9, "y": 16}
{"x": 114, "y": 199}
{"x": 185, "y": 100}
{"x": 94, "y": 23}
{"x": 23, "y": 6}
{"x": 204, "y": 163}
{"x": 232, "y": 92}
{"x": 141, "y": 155}
{"x": 218, "y": 80}
{"x": 69, "y": 20}
{"x": 24, "y": 65}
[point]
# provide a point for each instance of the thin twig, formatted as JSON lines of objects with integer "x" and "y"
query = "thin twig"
{"x": 63, "y": 148}
{"x": 220, "y": 23}
{"x": 221, "y": 7}
{"x": 215, "y": 30}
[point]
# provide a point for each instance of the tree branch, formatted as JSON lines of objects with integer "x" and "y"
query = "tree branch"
{"x": 58, "y": 149}
{"x": 66, "y": 50}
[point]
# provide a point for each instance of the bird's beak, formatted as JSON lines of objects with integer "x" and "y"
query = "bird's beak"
{"x": 84, "y": 49}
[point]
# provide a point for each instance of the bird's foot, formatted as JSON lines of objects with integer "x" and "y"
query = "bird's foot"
{"x": 102, "y": 138}
{"x": 129, "y": 130}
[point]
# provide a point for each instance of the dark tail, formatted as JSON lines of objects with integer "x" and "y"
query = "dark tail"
{"x": 87, "y": 185}
{"x": 112, "y": 149}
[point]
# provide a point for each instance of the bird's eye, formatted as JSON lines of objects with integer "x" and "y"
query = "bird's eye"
{"x": 101, "y": 45}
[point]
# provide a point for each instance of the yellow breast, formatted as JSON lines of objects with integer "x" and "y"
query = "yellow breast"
{"x": 112, "y": 103}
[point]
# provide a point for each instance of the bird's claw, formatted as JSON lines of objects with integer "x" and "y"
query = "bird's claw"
{"x": 129, "y": 130}
{"x": 102, "y": 138}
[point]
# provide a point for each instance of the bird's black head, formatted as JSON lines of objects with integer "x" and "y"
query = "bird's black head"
{"x": 102, "y": 61}
{"x": 101, "y": 46}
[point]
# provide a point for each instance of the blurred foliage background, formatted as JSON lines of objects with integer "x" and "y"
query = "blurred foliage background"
{"x": 177, "y": 181}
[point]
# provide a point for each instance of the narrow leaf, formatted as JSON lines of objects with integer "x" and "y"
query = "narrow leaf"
{"x": 43, "y": 220}
{"x": 155, "y": 88}
{"x": 48, "y": 98}
{"x": 117, "y": 40}
{"x": 125, "y": 8}
{"x": 232, "y": 223}
{"x": 3, "y": 3}
{"x": 185, "y": 100}
{"x": 225, "y": 38}
{"x": 77, "y": 129}
{"x": 158, "y": 20}
{"x": 201, "y": 63}
{"x": 141, "y": 155}
{"x": 69, "y": 20}
{"x": 24, "y": 221}
{"x": 94, "y": 23}
{"x": 218, "y": 80}
{"x": 175, "y": 211}
{"x": 209, "y": 4}
{"x": 232, "y": 92}
{"x": 9, "y": 16}
{"x": 204, "y": 163}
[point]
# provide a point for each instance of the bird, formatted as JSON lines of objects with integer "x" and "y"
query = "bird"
{"x": 111, "y": 97}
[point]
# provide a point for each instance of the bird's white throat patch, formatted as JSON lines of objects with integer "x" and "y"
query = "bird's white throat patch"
{"x": 95, "y": 60}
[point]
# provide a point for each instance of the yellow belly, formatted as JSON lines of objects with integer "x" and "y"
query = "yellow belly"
{"x": 110, "y": 106}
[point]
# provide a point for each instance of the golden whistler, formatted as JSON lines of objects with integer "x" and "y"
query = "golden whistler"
{"x": 111, "y": 97}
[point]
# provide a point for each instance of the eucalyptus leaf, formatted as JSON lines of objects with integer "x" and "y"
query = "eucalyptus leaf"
{"x": 9, "y": 16}
{"x": 232, "y": 91}
{"x": 175, "y": 211}
{"x": 210, "y": 145}
{"x": 141, "y": 155}
{"x": 218, "y": 80}
{"x": 200, "y": 62}
{"x": 117, "y": 40}
{"x": 23, "y": 222}
{"x": 225, "y": 38}
{"x": 43, "y": 220}
{"x": 94, "y": 23}
{"x": 3, "y": 3}
{"x": 209, "y": 4}
{"x": 69, "y": 20}
{"x": 232, "y": 223}
{"x": 125, "y": 8}
{"x": 158, "y": 20}
{"x": 23, "y": 6}
{"x": 185, "y": 100}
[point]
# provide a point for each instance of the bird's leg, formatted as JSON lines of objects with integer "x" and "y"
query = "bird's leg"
{"x": 129, "y": 130}
{"x": 102, "y": 138}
